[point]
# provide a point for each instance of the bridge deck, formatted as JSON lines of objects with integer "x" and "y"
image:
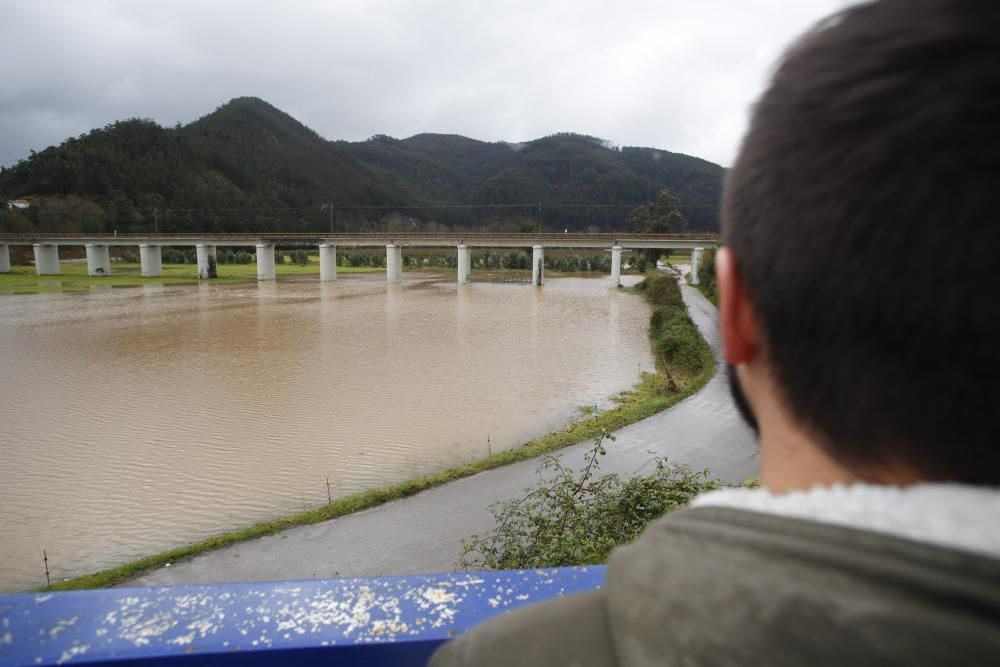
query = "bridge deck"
{"x": 415, "y": 239}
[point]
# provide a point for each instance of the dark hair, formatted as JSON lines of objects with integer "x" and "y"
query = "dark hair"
{"x": 863, "y": 214}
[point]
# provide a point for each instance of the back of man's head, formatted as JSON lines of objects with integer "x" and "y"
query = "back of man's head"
{"x": 863, "y": 215}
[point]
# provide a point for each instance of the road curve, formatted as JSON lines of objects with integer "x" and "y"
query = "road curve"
{"x": 423, "y": 533}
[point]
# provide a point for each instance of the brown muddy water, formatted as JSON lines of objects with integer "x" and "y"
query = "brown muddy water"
{"x": 137, "y": 420}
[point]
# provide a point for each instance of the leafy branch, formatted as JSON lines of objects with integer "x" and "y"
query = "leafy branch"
{"x": 574, "y": 518}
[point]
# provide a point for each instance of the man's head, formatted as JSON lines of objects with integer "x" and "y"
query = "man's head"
{"x": 862, "y": 221}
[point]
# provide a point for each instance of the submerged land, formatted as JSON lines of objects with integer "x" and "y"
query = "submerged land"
{"x": 685, "y": 363}
{"x": 425, "y": 533}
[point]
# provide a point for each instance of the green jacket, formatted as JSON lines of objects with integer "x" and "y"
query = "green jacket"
{"x": 716, "y": 586}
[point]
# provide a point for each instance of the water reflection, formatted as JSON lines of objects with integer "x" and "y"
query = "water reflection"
{"x": 138, "y": 420}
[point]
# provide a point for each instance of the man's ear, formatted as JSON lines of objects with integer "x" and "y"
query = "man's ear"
{"x": 741, "y": 335}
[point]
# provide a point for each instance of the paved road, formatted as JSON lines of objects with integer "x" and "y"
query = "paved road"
{"x": 423, "y": 533}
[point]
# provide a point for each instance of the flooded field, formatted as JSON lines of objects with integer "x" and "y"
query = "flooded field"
{"x": 136, "y": 420}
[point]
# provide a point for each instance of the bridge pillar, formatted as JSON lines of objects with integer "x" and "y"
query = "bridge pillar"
{"x": 203, "y": 252}
{"x": 464, "y": 264}
{"x": 537, "y": 264}
{"x": 46, "y": 259}
{"x": 327, "y": 262}
{"x": 4, "y": 258}
{"x": 616, "y": 266}
{"x": 393, "y": 263}
{"x": 265, "y": 261}
{"x": 150, "y": 260}
{"x": 98, "y": 260}
{"x": 695, "y": 264}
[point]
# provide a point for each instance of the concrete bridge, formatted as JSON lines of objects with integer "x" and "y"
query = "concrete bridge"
{"x": 46, "y": 248}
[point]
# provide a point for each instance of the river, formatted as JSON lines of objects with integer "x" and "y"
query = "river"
{"x": 137, "y": 420}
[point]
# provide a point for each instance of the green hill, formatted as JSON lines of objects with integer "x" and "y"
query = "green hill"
{"x": 564, "y": 173}
{"x": 249, "y": 166}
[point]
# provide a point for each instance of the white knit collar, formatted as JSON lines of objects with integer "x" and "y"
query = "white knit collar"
{"x": 952, "y": 515}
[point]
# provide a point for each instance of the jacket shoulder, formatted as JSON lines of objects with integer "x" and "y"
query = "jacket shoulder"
{"x": 567, "y": 631}
{"x": 727, "y": 586}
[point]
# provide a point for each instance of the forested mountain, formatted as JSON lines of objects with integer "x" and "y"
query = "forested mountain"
{"x": 249, "y": 166}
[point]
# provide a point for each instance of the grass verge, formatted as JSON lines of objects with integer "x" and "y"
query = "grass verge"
{"x": 74, "y": 278}
{"x": 685, "y": 364}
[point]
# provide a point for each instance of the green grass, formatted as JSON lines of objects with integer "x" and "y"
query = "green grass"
{"x": 682, "y": 355}
{"x": 652, "y": 394}
{"x": 74, "y": 278}
{"x": 73, "y": 275}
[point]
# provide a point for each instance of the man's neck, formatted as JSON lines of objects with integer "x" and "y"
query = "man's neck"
{"x": 792, "y": 459}
{"x": 792, "y": 462}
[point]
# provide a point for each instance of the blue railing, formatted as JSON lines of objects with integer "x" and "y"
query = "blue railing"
{"x": 367, "y": 621}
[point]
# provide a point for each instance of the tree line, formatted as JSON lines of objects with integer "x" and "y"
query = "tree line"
{"x": 250, "y": 167}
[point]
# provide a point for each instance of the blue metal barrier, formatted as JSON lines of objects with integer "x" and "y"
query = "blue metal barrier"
{"x": 369, "y": 621}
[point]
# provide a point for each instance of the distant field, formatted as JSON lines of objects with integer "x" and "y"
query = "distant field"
{"x": 74, "y": 276}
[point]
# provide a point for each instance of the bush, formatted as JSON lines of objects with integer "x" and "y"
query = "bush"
{"x": 571, "y": 519}
{"x": 235, "y": 257}
{"x": 679, "y": 346}
{"x": 706, "y": 276}
{"x": 517, "y": 259}
{"x": 681, "y": 352}
{"x": 663, "y": 291}
{"x": 179, "y": 256}
{"x": 577, "y": 263}
{"x": 299, "y": 257}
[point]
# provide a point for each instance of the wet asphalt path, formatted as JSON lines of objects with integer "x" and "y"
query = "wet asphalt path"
{"x": 423, "y": 533}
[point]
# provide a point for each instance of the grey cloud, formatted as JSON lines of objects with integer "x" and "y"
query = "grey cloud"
{"x": 676, "y": 75}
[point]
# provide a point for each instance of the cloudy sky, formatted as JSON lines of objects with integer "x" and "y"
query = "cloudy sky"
{"x": 675, "y": 74}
